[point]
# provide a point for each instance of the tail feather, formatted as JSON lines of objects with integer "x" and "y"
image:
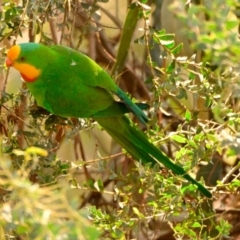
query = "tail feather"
{"x": 136, "y": 143}
{"x": 134, "y": 108}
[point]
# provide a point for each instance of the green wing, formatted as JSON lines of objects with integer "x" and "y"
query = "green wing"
{"x": 91, "y": 76}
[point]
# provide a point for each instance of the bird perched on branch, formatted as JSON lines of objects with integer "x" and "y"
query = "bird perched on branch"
{"x": 70, "y": 84}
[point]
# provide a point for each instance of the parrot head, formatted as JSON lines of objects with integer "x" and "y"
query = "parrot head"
{"x": 27, "y": 58}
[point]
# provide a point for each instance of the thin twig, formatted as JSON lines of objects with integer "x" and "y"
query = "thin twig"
{"x": 53, "y": 30}
{"x": 226, "y": 178}
{"x": 21, "y": 22}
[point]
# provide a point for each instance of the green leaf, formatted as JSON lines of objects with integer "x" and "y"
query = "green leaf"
{"x": 90, "y": 183}
{"x": 21, "y": 229}
{"x": 230, "y": 24}
{"x": 192, "y": 144}
{"x": 117, "y": 234}
{"x": 235, "y": 183}
{"x": 136, "y": 211}
{"x": 196, "y": 225}
{"x": 168, "y": 44}
{"x": 160, "y": 33}
{"x": 167, "y": 37}
{"x": 208, "y": 101}
{"x": 171, "y": 67}
{"x": 178, "y": 138}
{"x": 188, "y": 116}
{"x": 167, "y": 40}
{"x": 177, "y": 49}
{"x": 99, "y": 185}
{"x": 191, "y": 76}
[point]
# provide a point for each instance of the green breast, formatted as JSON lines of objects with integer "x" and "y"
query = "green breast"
{"x": 67, "y": 87}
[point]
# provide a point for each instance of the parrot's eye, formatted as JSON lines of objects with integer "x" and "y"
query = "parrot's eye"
{"x": 22, "y": 59}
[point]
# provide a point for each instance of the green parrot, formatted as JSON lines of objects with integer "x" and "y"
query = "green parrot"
{"x": 70, "y": 84}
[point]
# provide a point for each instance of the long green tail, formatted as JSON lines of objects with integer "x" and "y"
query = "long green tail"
{"x": 135, "y": 142}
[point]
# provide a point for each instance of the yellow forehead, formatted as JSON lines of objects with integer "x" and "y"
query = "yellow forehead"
{"x": 14, "y": 52}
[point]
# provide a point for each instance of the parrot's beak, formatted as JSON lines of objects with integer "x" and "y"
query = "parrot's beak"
{"x": 8, "y": 62}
